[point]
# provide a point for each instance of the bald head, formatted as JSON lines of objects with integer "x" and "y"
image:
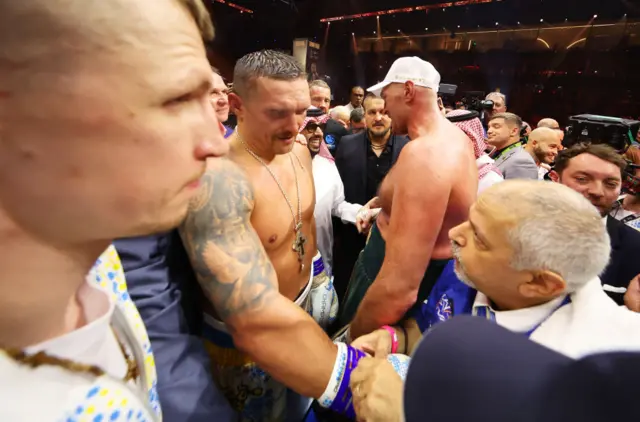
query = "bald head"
{"x": 544, "y": 144}
{"x": 550, "y": 227}
{"x": 548, "y": 123}
{"x": 341, "y": 113}
{"x": 543, "y": 134}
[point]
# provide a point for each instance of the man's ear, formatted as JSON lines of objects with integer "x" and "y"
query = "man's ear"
{"x": 235, "y": 104}
{"x": 543, "y": 284}
{"x": 409, "y": 90}
{"x": 554, "y": 176}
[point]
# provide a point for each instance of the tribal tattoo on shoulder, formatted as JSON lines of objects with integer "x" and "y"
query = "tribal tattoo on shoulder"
{"x": 225, "y": 251}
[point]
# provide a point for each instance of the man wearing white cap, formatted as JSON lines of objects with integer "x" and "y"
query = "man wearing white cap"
{"x": 429, "y": 190}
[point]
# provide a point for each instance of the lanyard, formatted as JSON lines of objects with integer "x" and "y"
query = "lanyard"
{"x": 566, "y": 301}
{"x": 507, "y": 149}
{"x": 630, "y": 218}
{"x": 486, "y": 312}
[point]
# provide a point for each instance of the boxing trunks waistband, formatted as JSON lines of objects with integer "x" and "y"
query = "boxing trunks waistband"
{"x": 217, "y": 332}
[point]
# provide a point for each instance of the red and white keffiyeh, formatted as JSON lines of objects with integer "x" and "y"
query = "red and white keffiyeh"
{"x": 322, "y": 118}
{"x": 473, "y": 129}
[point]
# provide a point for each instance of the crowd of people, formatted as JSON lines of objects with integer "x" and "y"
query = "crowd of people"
{"x": 176, "y": 248}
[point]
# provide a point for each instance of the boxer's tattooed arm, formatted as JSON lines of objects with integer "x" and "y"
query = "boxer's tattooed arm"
{"x": 225, "y": 251}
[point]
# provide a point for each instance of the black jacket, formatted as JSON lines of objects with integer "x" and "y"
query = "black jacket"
{"x": 351, "y": 160}
{"x": 624, "y": 264}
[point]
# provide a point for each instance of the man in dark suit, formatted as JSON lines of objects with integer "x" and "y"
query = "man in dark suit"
{"x": 161, "y": 282}
{"x": 595, "y": 171}
{"x": 363, "y": 161}
{"x": 472, "y": 369}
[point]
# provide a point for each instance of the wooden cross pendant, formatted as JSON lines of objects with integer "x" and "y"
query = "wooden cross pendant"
{"x": 298, "y": 245}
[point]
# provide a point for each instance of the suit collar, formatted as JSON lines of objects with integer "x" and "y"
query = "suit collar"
{"x": 613, "y": 227}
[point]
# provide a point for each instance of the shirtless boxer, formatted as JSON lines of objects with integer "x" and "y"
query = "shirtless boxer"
{"x": 267, "y": 181}
{"x": 427, "y": 192}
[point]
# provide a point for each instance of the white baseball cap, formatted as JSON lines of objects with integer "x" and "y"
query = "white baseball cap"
{"x": 413, "y": 69}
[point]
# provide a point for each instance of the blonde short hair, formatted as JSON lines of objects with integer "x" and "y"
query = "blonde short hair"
{"x": 201, "y": 15}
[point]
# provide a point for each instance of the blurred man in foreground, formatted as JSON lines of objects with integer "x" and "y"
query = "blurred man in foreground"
{"x": 72, "y": 345}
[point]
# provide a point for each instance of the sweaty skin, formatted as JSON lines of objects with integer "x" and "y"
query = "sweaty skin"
{"x": 428, "y": 191}
{"x": 238, "y": 278}
{"x": 271, "y": 216}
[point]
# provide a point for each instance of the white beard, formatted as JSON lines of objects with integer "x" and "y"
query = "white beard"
{"x": 458, "y": 268}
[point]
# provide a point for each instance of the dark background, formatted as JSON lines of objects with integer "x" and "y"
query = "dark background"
{"x": 523, "y": 76}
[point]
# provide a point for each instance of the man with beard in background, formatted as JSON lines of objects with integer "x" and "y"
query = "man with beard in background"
{"x": 328, "y": 186}
{"x": 543, "y": 146}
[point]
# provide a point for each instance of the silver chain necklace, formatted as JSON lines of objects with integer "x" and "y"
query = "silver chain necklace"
{"x": 300, "y": 239}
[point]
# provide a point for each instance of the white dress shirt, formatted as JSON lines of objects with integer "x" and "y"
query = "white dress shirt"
{"x": 591, "y": 323}
{"x": 329, "y": 202}
{"x": 47, "y": 394}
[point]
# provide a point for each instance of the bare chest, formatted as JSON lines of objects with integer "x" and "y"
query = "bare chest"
{"x": 284, "y": 198}
{"x": 385, "y": 192}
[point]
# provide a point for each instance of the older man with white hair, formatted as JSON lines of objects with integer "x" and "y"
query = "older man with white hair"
{"x": 528, "y": 258}
{"x": 499, "y": 103}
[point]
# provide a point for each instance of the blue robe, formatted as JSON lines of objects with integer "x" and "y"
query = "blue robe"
{"x": 449, "y": 297}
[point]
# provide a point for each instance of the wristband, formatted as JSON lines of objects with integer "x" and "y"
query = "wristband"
{"x": 337, "y": 396}
{"x": 331, "y": 391}
{"x": 343, "y": 402}
{"x": 394, "y": 337}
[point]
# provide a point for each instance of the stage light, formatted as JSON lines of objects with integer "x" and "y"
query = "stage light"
{"x": 541, "y": 20}
{"x": 235, "y": 6}
{"x": 398, "y": 30}
{"x": 595, "y": 16}
{"x": 409, "y": 9}
{"x": 518, "y": 23}
{"x": 496, "y": 23}
{"x": 458, "y": 26}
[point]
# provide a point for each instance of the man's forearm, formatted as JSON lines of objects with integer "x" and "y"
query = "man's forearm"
{"x": 288, "y": 344}
{"x": 378, "y": 308}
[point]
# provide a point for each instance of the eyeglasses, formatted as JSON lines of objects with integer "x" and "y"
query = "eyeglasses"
{"x": 312, "y": 127}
